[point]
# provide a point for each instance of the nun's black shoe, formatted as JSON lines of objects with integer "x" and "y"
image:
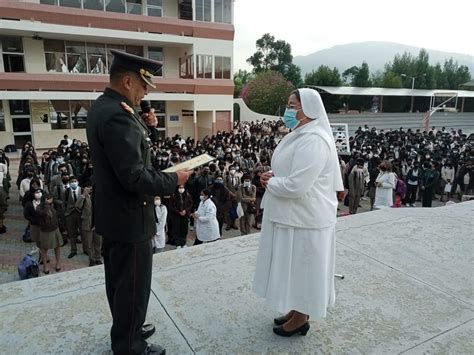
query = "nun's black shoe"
{"x": 303, "y": 330}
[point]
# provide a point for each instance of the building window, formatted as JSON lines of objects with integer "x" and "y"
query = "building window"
{"x": 154, "y": 8}
{"x": 115, "y": 6}
{"x": 12, "y": 53}
{"x": 76, "y": 57}
{"x": 204, "y": 66}
{"x": 223, "y": 11}
{"x": 79, "y": 111}
{"x": 96, "y": 58}
{"x": 94, "y": 4}
{"x": 79, "y": 57}
{"x": 134, "y": 7}
{"x": 19, "y": 107}
{"x": 222, "y": 67}
{"x": 203, "y": 10}
{"x": 49, "y": 2}
{"x": 70, "y": 3}
{"x": 55, "y": 55}
{"x": 110, "y": 56}
{"x": 156, "y": 53}
{"x": 137, "y": 50}
{"x": 186, "y": 67}
{"x": 60, "y": 116}
{"x": 2, "y": 117}
{"x": 160, "y": 112}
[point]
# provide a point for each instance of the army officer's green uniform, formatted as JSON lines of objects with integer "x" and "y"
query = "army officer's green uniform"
{"x": 124, "y": 190}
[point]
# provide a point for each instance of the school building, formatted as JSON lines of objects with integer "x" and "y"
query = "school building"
{"x": 55, "y": 56}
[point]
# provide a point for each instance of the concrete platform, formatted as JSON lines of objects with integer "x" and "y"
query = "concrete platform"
{"x": 408, "y": 288}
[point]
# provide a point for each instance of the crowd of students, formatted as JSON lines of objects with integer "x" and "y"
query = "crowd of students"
{"x": 401, "y": 166}
{"x": 392, "y": 168}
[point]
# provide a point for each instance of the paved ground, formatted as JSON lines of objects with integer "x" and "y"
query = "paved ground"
{"x": 12, "y": 247}
{"x": 408, "y": 289}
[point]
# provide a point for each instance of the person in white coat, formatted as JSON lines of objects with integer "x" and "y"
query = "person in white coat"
{"x": 161, "y": 213}
{"x": 296, "y": 257}
{"x": 384, "y": 186}
{"x": 207, "y": 226}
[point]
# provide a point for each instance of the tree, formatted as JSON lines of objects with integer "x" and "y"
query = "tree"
{"x": 267, "y": 92}
{"x": 323, "y": 76}
{"x": 275, "y": 55}
{"x": 241, "y": 78}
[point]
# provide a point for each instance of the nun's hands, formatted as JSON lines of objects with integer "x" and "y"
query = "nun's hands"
{"x": 265, "y": 178}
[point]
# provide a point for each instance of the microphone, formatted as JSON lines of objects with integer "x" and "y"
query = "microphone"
{"x": 145, "y": 106}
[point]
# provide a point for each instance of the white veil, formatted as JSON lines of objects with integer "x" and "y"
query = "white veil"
{"x": 313, "y": 108}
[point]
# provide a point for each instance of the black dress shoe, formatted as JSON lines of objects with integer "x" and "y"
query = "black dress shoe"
{"x": 71, "y": 255}
{"x": 147, "y": 330}
{"x": 154, "y": 349}
{"x": 64, "y": 242}
{"x": 278, "y": 330}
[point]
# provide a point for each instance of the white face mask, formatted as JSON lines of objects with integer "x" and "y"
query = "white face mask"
{"x": 38, "y": 195}
{"x": 180, "y": 191}
{"x": 157, "y": 203}
{"x": 246, "y": 183}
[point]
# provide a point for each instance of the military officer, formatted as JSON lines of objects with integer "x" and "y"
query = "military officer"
{"x": 125, "y": 186}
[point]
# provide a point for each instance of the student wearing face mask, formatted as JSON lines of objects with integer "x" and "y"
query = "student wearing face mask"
{"x": 30, "y": 214}
{"x": 73, "y": 216}
{"x": 49, "y": 235}
{"x": 180, "y": 208}
{"x": 413, "y": 178}
{"x": 356, "y": 185}
{"x": 92, "y": 241}
{"x": 25, "y": 183}
{"x": 447, "y": 178}
{"x": 59, "y": 196}
{"x": 221, "y": 198}
{"x": 207, "y": 226}
{"x": 428, "y": 182}
{"x": 247, "y": 196}
{"x": 161, "y": 214}
{"x": 232, "y": 184}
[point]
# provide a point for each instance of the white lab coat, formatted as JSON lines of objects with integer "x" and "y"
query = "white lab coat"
{"x": 207, "y": 227}
{"x": 384, "y": 194}
{"x": 159, "y": 240}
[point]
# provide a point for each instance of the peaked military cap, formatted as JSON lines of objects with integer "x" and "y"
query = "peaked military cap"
{"x": 144, "y": 67}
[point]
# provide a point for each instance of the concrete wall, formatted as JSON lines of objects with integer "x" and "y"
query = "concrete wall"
{"x": 35, "y": 61}
{"x": 174, "y": 108}
{"x": 247, "y": 114}
{"x": 50, "y": 139}
{"x": 6, "y": 137}
{"x": 204, "y": 122}
{"x": 170, "y": 8}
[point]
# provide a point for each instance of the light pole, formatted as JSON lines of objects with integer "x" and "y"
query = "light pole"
{"x": 412, "y": 87}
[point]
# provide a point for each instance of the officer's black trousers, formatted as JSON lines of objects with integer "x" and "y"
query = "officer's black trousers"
{"x": 128, "y": 283}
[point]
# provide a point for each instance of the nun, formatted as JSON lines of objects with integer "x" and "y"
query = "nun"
{"x": 296, "y": 257}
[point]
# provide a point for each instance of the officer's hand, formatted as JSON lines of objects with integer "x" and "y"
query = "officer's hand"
{"x": 150, "y": 119}
{"x": 183, "y": 176}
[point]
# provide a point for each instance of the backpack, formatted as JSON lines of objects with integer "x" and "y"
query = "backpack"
{"x": 27, "y": 235}
{"x": 401, "y": 188}
{"x": 28, "y": 268}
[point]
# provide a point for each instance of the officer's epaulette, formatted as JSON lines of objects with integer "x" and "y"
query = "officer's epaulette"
{"x": 127, "y": 108}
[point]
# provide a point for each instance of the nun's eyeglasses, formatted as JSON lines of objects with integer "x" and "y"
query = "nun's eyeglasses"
{"x": 292, "y": 107}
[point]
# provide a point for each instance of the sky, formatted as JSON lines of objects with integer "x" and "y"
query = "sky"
{"x": 312, "y": 25}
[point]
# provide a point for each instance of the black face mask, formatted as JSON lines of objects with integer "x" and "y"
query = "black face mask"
{"x": 65, "y": 181}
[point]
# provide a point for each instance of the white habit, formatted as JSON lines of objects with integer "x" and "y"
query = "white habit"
{"x": 296, "y": 257}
